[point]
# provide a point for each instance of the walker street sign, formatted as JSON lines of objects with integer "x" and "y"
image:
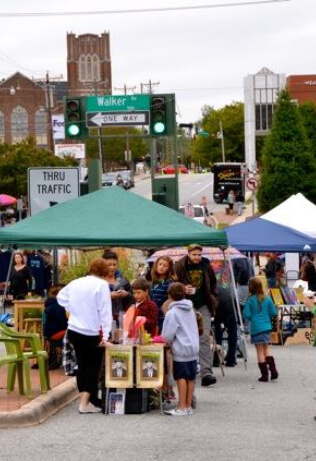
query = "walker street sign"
{"x": 117, "y": 118}
{"x": 122, "y": 103}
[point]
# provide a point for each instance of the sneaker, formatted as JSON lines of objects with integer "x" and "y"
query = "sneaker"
{"x": 208, "y": 380}
{"x": 190, "y": 411}
{"x": 176, "y": 412}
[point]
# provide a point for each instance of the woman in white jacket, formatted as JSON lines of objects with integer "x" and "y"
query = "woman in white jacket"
{"x": 88, "y": 302}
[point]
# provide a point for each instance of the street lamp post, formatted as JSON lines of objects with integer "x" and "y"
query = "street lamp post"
{"x": 221, "y": 136}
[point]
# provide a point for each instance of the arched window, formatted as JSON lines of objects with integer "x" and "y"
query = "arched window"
{"x": 89, "y": 68}
{"x": 2, "y": 129}
{"x": 41, "y": 127}
{"x": 95, "y": 68}
{"x": 19, "y": 124}
{"x": 82, "y": 68}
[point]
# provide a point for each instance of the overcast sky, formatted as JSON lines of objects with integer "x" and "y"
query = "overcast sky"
{"x": 201, "y": 55}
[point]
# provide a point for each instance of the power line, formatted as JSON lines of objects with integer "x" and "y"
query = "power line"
{"x": 141, "y": 10}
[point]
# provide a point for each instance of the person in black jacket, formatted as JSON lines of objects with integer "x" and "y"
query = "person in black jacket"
{"x": 196, "y": 273}
{"x": 55, "y": 324}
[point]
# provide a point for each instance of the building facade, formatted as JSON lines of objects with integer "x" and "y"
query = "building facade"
{"x": 260, "y": 97}
{"x": 302, "y": 87}
{"x": 89, "y": 68}
{"x": 23, "y": 110}
{"x": 27, "y": 107}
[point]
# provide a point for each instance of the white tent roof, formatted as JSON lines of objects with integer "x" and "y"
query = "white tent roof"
{"x": 296, "y": 212}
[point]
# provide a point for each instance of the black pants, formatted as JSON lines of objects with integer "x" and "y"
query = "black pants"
{"x": 89, "y": 357}
{"x": 230, "y": 323}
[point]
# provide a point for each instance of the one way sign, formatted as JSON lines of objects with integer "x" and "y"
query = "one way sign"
{"x": 117, "y": 118}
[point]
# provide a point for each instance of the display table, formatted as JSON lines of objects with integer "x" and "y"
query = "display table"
{"x": 21, "y": 307}
{"x": 289, "y": 320}
{"x": 132, "y": 367}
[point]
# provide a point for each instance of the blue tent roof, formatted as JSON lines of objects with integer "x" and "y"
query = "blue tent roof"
{"x": 261, "y": 235}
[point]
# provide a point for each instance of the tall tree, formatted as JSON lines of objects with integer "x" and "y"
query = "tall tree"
{"x": 15, "y": 159}
{"x": 209, "y": 149}
{"x": 288, "y": 166}
{"x": 308, "y": 114}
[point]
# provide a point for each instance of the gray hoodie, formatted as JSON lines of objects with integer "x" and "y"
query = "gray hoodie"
{"x": 180, "y": 330}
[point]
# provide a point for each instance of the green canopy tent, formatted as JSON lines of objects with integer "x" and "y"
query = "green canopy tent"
{"x": 112, "y": 217}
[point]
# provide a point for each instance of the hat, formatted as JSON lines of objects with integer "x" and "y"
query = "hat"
{"x": 309, "y": 293}
{"x": 195, "y": 246}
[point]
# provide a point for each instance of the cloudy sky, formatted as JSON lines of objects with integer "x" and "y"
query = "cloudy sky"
{"x": 200, "y": 54}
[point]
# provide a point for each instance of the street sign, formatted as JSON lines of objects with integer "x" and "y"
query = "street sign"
{"x": 50, "y": 186}
{"x": 252, "y": 183}
{"x": 117, "y": 118}
{"x": 58, "y": 124}
{"x": 122, "y": 103}
{"x": 74, "y": 150}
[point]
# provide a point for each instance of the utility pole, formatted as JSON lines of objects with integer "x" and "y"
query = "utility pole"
{"x": 128, "y": 156}
{"x": 125, "y": 88}
{"x": 222, "y": 140}
{"x": 149, "y": 85}
{"x": 153, "y": 143}
{"x": 49, "y": 104}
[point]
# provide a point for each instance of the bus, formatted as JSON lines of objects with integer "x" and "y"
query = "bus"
{"x": 228, "y": 176}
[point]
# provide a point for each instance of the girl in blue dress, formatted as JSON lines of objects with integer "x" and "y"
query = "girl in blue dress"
{"x": 260, "y": 310}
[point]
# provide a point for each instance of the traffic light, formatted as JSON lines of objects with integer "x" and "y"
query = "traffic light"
{"x": 75, "y": 127}
{"x": 162, "y": 115}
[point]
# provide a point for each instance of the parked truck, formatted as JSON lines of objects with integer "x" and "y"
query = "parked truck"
{"x": 227, "y": 177}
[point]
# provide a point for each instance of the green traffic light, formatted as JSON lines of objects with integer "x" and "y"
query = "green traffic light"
{"x": 159, "y": 127}
{"x": 73, "y": 130}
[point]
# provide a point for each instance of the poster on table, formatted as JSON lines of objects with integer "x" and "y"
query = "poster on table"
{"x": 119, "y": 366}
{"x": 149, "y": 366}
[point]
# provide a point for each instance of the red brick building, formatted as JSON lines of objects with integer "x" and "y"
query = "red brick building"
{"x": 26, "y": 106}
{"x": 302, "y": 87}
{"x": 89, "y": 64}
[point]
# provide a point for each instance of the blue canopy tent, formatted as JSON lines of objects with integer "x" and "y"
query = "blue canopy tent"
{"x": 260, "y": 235}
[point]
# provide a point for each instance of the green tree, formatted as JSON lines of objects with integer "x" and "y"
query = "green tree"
{"x": 209, "y": 149}
{"x": 288, "y": 166}
{"x": 15, "y": 159}
{"x": 308, "y": 114}
{"x": 114, "y": 147}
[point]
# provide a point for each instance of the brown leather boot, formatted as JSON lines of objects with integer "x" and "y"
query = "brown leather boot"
{"x": 264, "y": 372}
{"x": 272, "y": 367}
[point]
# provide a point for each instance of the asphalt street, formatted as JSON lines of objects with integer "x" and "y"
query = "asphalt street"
{"x": 238, "y": 418}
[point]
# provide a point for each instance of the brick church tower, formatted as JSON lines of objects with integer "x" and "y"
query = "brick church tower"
{"x": 89, "y": 64}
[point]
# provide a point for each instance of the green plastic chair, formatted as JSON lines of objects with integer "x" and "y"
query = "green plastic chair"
{"x": 17, "y": 365}
{"x": 37, "y": 352}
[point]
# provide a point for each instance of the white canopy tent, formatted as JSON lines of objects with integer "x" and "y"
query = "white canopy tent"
{"x": 296, "y": 212}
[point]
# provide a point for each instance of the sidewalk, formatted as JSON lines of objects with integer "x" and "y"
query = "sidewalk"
{"x": 219, "y": 212}
{"x": 18, "y": 410}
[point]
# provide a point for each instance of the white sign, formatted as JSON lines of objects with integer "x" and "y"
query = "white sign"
{"x": 74, "y": 150}
{"x": 49, "y": 186}
{"x": 58, "y": 125}
{"x": 252, "y": 183}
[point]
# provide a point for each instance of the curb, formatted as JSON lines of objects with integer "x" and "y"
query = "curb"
{"x": 39, "y": 409}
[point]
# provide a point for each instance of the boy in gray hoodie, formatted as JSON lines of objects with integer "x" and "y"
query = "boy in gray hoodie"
{"x": 180, "y": 331}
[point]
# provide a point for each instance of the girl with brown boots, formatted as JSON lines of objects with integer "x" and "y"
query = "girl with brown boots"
{"x": 260, "y": 310}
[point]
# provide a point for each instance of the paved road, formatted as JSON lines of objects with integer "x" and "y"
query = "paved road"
{"x": 237, "y": 419}
{"x": 191, "y": 188}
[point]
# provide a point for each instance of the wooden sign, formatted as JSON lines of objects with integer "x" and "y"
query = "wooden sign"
{"x": 119, "y": 366}
{"x": 149, "y": 366}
